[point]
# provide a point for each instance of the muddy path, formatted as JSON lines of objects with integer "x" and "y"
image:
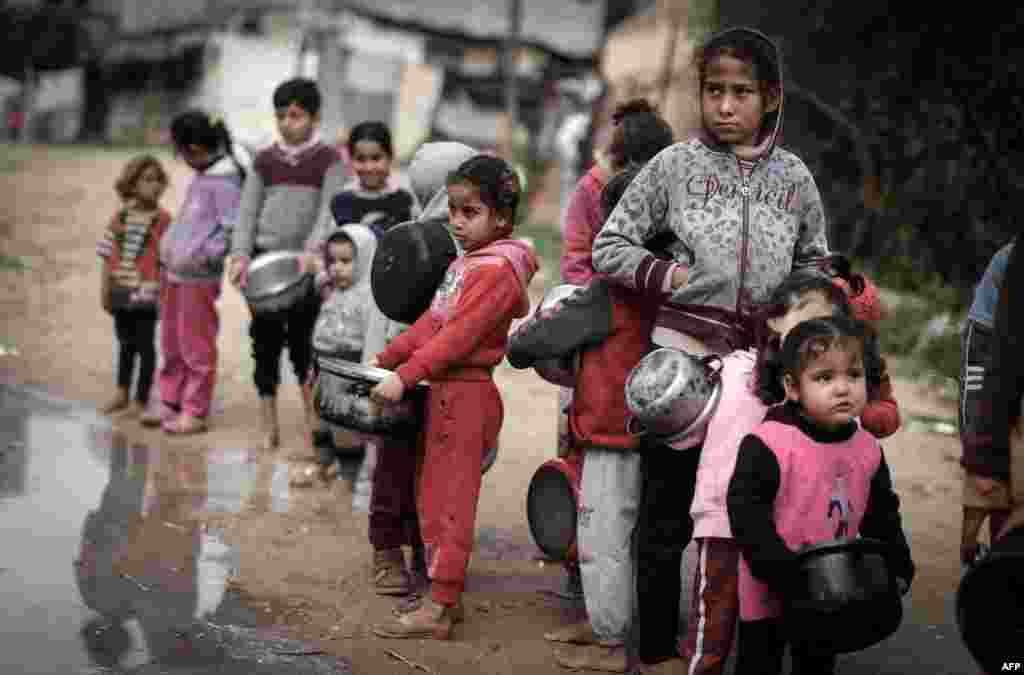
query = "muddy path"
{"x": 301, "y": 556}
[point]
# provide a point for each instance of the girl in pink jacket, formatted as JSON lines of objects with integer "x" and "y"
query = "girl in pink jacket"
{"x": 804, "y": 294}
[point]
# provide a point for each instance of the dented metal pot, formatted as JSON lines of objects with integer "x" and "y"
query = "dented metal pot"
{"x": 672, "y": 395}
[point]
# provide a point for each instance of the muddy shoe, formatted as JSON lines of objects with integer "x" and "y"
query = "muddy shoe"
{"x": 577, "y": 634}
{"x": 389, "y": 574}
{"x": 430, "y": 621}
{"x": 414, "y": 601}
{"x": 602, "y": 657}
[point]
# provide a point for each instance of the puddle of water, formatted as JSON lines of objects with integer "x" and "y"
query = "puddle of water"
{"x": 106, "y": 565}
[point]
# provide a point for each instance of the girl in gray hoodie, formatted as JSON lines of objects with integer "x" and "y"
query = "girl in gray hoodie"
{"x": 744, "y": 212}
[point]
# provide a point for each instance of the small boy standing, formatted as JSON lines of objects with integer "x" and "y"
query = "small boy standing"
{"x": 340, "y": 329}
{"x": 285, "y": 200}
{"x": 456, "y": 343}
{"x": 610, "y": 327}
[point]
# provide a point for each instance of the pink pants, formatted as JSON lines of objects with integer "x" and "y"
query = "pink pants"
{"x": 188, "y": 343}
{"x": 463, "y": 418}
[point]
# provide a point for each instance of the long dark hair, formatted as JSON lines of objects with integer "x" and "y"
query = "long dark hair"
{"x": 769, "y": 368}
{"x": 639, "y": 133}
{"x": 196, "y": 127}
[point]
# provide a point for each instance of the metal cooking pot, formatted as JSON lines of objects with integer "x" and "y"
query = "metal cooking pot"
{"x": 342, "y": 397}
{"x": 552, "y": 503}
{"x": 409, "y": 265}
{"x": 557, "y": 371}
{"x": 846, "y": 597}
{"x": 989, "y": 600}
{"x": 276, "y": 281}
{"x": 671, "y": 395}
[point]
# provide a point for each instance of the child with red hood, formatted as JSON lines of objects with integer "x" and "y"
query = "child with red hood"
{"x": 881, "y": 415}
{"x": 456, "y": 344}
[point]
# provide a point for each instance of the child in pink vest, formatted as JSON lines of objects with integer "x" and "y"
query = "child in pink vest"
{"x": 804, "y": 294}
{"x": 808, "y": 473}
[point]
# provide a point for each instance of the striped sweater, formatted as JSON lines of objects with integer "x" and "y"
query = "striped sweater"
{"x": 129, "y": 248}
{"x": 286, "y": 198}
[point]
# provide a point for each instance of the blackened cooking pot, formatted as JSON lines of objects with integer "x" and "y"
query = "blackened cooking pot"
{"x": 409, "y": 265}
{"x": 342, "y": 397}
{"x": 989, "y": 602}
{"x": 560, "y": 371}
{"x": 552, "y": 503}
{"x": 845, "y": 598}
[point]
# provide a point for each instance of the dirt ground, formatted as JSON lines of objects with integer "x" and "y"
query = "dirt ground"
{"x": 54, "y": 204}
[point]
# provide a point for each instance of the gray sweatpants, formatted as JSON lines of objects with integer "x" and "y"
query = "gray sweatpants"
{"x": 609, "y": 501}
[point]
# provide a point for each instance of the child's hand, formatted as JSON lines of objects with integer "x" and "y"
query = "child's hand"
{"x": 680, "y": 275}
{"x": 238, "y": 271}
{"x": 374, "y": 362}
{"x": 313, "y": 263}
{"x": 389, "y": 390}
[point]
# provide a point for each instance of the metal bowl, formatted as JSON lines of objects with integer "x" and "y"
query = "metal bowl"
{"x": 845, "y": 597}
{"x": 672, "y": 395}
{"x": 276, "y": 281}
{"x": 557, "y": 371}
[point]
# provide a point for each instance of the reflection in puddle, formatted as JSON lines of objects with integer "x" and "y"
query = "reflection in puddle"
{"x": 106, "y": 563}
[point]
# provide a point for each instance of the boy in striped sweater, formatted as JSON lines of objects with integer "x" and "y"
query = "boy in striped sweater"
{"x": 285, "y": 200}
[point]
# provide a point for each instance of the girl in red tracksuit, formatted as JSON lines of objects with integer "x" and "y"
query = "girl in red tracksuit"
{"x": 456, "y": 343}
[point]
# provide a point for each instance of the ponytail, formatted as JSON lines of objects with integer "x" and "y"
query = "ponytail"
{"x": 838, "y": 266}
{"x": 196, "y": 127}
{"x": 228, "y": 145}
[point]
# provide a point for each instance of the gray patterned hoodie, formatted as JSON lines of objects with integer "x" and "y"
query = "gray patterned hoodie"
{"x": 698, "y": 191}
{"x": 340, "y": 327}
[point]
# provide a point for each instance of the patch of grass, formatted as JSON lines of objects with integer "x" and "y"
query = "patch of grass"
{"x": 10, "y": 262}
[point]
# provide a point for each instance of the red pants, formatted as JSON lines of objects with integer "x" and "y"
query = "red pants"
{"x": 715, "y": 606}
{"x": 188, "y": 344}
{"x": 463, "y": 418}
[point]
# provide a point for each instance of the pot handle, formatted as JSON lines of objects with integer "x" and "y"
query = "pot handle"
{"x": 635, "y": 428}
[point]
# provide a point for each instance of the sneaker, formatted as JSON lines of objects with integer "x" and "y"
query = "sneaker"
{"x": 430, "y": 621}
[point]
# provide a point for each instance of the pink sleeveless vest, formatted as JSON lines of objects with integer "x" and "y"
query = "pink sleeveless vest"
{"x": 823, "y": 492}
